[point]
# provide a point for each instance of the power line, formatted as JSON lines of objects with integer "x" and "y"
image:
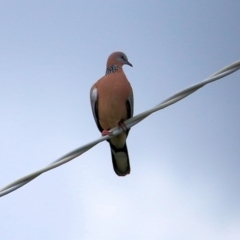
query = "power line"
{"x": 115, "y": 131}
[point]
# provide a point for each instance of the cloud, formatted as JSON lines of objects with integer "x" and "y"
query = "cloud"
{"x": 150, "y": 204}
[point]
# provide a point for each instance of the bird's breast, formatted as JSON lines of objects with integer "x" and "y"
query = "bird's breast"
{"x": 113, "y": 95}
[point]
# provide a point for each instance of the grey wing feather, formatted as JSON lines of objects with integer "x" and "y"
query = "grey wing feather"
{"x": 93, "y": 99}
{"x": 131, "y": 104}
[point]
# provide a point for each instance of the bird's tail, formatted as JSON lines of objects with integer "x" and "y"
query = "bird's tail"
{"x": 120, "y": 160}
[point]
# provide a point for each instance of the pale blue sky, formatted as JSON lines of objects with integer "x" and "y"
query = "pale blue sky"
{"x": 185, "y": 162}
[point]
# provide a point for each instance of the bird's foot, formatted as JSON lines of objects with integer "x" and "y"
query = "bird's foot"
{"x": 122, "y": 126}
{"x": 106, "y": 133}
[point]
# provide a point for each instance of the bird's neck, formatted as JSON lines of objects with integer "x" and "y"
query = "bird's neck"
{"x": 112, "y": 69}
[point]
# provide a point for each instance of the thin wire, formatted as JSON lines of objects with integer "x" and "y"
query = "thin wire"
{"x": 115, "y": 131}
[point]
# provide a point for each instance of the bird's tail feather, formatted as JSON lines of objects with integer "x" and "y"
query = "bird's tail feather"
{"x": 120, "y": 160}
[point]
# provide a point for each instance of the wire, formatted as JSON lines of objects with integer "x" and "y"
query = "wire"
{"x": 115, "y": 131}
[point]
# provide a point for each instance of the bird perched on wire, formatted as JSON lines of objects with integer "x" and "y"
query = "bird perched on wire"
{"x": 112, "y": 103}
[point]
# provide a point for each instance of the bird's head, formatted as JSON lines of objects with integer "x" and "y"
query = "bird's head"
{"x": 118, "y": 58}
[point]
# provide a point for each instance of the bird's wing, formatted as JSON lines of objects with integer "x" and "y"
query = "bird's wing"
{"x": 94, "y": 106}
{"x": 130, "y": 103}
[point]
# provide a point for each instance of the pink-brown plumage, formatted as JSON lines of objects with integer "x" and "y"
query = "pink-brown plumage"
{"x": 112, "y": 103}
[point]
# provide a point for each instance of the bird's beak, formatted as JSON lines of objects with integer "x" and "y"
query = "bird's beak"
{"x": 128, "y": 63}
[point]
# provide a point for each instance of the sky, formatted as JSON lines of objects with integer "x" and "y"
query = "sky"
{"x": 185, "y": 164}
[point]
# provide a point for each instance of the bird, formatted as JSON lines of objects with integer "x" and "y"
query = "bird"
{"x": 112, "y": 103}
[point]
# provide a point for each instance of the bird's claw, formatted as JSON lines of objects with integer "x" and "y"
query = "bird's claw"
{"x": 122, "y": 126}
{"x": 106, "y": 133}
